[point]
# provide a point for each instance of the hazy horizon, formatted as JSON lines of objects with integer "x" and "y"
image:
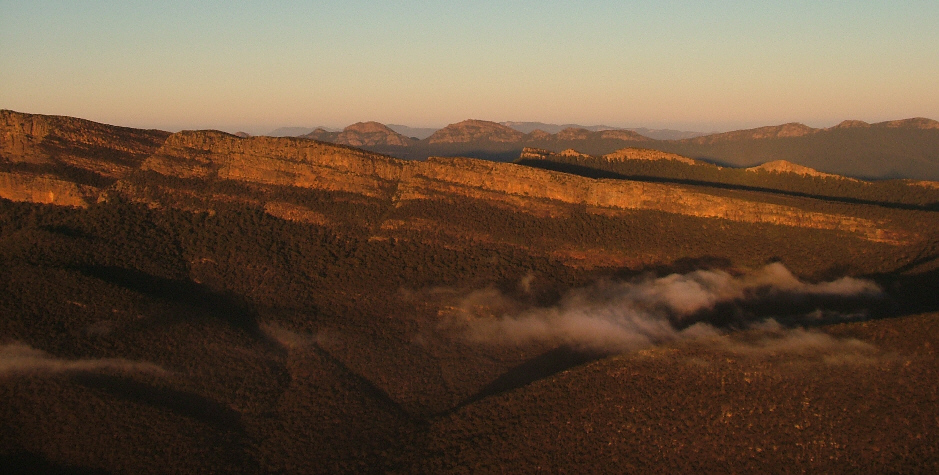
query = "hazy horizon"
{"x": 690, "y": 66}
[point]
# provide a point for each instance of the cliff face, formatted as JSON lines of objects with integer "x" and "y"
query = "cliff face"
{"x": 104, "y": 149}
{"x": 782, "y": 166}
{"x": 274, "y": 160}
{"x": 646, "y": 154}
{"x": 65, "y": 161}
{"x": 307, "y": 164}
{"x": 45, "y": 189}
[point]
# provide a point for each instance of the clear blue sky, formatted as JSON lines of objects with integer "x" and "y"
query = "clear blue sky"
{"x": 255, "y": 66}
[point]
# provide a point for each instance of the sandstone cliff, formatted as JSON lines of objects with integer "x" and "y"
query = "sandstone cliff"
{"x": 646, "y": 154}
{"x": 308, "y": 164}
{"x": 274, "y": 160}
{"x": 46, "y": 190}
{"x": 106, "y": 150}
{"x": 783, "y": 166}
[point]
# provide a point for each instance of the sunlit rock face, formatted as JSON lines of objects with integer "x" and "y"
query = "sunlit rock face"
{"x": 102, "y": 149}
{"x": 299, "y": 163}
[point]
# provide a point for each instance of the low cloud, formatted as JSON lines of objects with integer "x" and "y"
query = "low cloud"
{"x": 619, "y": 316}
{"x": 20, "y": 358}
{"x": 772, "y": 339}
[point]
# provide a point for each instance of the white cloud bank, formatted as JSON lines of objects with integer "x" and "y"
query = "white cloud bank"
{"x": 20, "y": 358}
{"x": 620, "y": 316}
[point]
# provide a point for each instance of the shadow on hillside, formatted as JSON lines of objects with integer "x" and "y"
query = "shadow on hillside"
{"x": 227, "y": 308}
{"x": 23, "y": 462}
{"x": 365, "y": 386}
{"x": 903, "y": 295}
{"x": 182, "y": 403}
{"x": 546, "y": 365}
{"x": 589, "y": 172}
{"x": 912, "y": 294}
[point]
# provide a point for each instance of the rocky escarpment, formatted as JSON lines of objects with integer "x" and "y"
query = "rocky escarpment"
{"x": 45, "y": 189}
{"x": 114, "y": 152}
{"x": 309, "y": 164}
{"x": 66, "y": 161}
{"x": 103, "y": 149}
{"x": 274, "y": 160}
{"x": 783, "y": 166}
{"x": 646, "y": 154}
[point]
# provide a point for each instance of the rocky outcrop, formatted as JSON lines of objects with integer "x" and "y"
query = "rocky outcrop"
{"x": 302, "y": 163}
{"x": 309, "y": 164}
{"x": 275, "y": 160}
{"x": 532, "y": 153}
{"x": 106, "y": 150}
{"x": 487, "y": 180}
{"x": 646, "y": 154}
{"x": 45, "y": 190}
{"x": 782, "y": 166}
{"x": 474, "y": 131}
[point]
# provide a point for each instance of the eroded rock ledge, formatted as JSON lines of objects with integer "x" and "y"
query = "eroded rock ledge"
{"x": 310, "y": 164}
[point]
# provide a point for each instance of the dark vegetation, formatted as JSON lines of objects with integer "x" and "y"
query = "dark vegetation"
{"x": 294, "y": 347}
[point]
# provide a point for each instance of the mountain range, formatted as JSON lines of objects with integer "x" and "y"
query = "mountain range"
{"x": 658, "y": 134}
{"x": 204, "y": 302}
{"x": 894, "y": 149}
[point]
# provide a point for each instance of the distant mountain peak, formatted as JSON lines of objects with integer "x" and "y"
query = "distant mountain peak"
{"x": 792, "y": 129}
{"x": 914, "y": 123}
{"x": 369, "y": 127}
{"x": 362, "y": 134}
{"x": 573, "y": 133}
{"x": 472, "y": 130}
{"x": 852, "y": 124}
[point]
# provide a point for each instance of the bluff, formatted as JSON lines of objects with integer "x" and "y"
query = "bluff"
{"x": 67, "y": 161}
{"x": 111, "y": 156}
{"x": 314, "y": 165}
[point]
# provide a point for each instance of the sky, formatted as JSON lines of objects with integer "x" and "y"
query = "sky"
{"x": 254, "y": 66}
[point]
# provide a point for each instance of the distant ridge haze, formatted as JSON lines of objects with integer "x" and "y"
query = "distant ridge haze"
{"x": 421, "y": 133}
{"x": 907, "y": 148}
{"x": 658, "y": 134}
